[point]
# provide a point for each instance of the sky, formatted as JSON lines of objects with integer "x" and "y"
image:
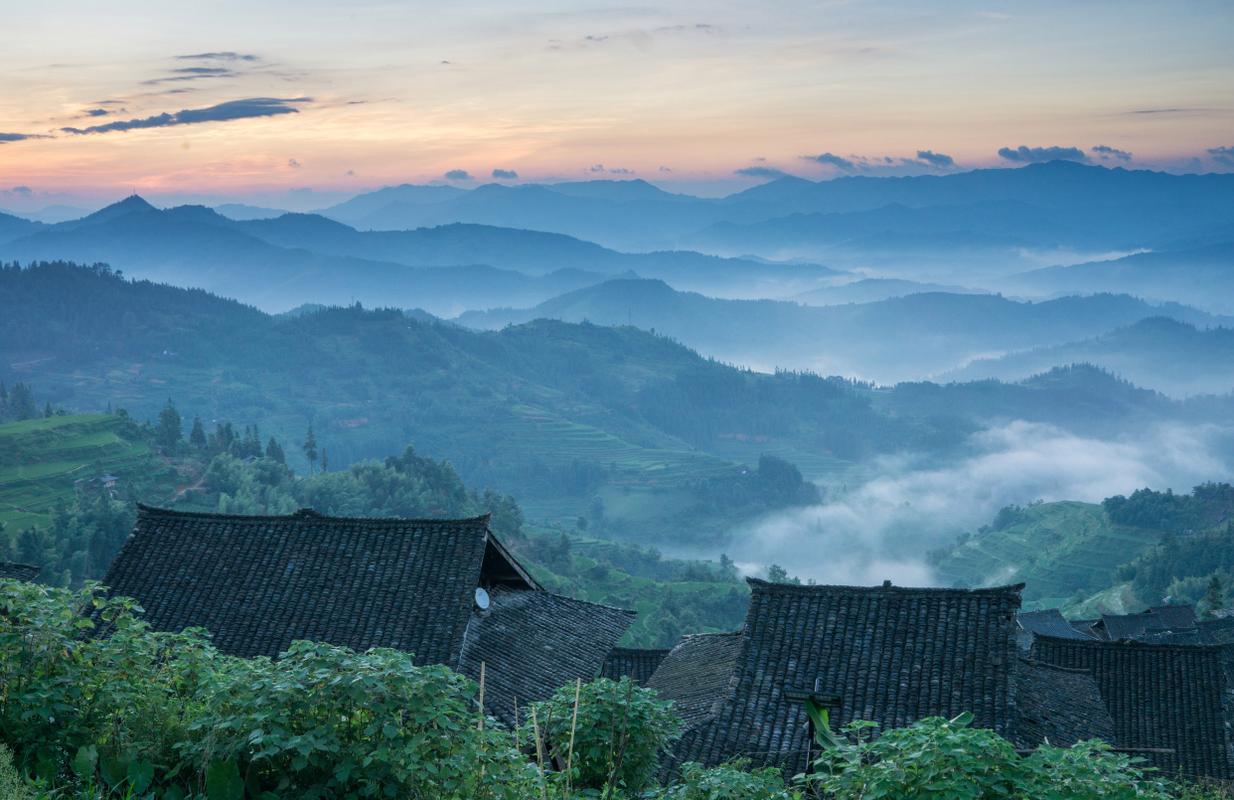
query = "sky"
{"x": 300, "y": 104}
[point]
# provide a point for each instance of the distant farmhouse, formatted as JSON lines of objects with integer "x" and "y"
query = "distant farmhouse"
{"x": 895, "y": 655}
{"x": 17, "y": 572}
{"x": 446, "y": 591}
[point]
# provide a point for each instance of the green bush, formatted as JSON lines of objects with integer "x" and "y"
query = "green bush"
{"x": 732, "y": 781}
{"x": 12, "y": 785}
{"x": 143, "y": 712}
{"x": 620, "y": 732}
{"x": 939, "y": 759}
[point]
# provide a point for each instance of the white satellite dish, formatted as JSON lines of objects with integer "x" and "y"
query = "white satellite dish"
{"x": 482, "y": 600}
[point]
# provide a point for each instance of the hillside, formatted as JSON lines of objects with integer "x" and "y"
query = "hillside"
{"x": 905, "y": 338}
{"x": 41, "y": 461}
{"x": 1158, "y": 353}
{"x": 1201, "y": 276}
{"x": 1060, "y": 550}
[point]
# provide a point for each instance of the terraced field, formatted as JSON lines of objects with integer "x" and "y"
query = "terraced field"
{"x": 1056, "y": 549}
{"x": 40, "y": 459}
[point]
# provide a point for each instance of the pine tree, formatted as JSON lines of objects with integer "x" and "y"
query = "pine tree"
{"x": 310, "y": 448}
{"x": 47, "y": 411}
{"x": 21, "y": 403}
{"x": 168, "y": 433}
{"x": 197, "y": 437}
{"x": 274, "y": 451}
{"x": 1214, "y": 597}
{"x": 325, "y": 461}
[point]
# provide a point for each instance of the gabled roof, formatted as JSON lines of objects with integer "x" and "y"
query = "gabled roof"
{"x": 1174, "y": 617}
{"x": 637, "y": 664}
{"x": 886, "y": 654}
{"x": 534, "y": 642}
{"x": 258, "y": 583}
{"x": 1058, "y": 706}
{"x": 1159, "y": 696}
{"x": 1160, "y": 619}
{"x": 18, "y": 572}
{"x": 696, "y": 675}
{"x": 1048, "y": 622}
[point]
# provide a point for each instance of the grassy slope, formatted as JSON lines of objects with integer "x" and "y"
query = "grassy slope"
{"x": 1057, "y": 549}
{"x": 41, "y": 458}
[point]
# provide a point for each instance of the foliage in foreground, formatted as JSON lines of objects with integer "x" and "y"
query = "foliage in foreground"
{"x": 145, "y": 714}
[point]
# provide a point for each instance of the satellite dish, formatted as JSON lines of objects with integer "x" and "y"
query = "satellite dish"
{"x": 482, "y": 600}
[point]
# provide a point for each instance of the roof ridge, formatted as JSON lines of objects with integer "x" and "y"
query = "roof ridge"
{"x": 1033, "y": 662}
{"x": 1132, "y": 643}
{"x": 575, "y": 600}
{"x": 640, "y": 650}
{"x": 758, "y": 584}
{"x": 305, "y": 514}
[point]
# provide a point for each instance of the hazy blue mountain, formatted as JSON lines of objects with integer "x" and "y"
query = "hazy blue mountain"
{"x": 869, "y": 290}
{"x": 241, "y": 211}
{"x": 1203, "y": 277}
{"x": 50, "y": 215}
{"x": 197, "y": 247}
{"x": 353, "y": 211}
{"x": 905, "y": 338}
{"x": 12, "y": 226}
{"x": 1158, "y": 353}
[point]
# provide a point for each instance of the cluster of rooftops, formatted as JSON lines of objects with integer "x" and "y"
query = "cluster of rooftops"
{"x": 448, "y": 592}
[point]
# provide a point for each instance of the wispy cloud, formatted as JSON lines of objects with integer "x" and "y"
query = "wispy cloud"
{"x": 760, "y": 172}
{"x": 1035, "y": 155}
{"x": 20, "y": 137}
{"x": 505, "y": 174}
{"x": 1107, "y": 153}
{"x": 192, "y": 74}
{"x": 231, "y": 110}
{"x": 833, "y": 160}
{"x": 457, "y": 175}
{"x": 600, "y": 168}
{"x": 940, "y": 160}
{"x": 219, "y": 55}
{"x": 1222, "y": 155}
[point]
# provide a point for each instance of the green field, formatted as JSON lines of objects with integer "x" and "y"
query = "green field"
{"x": 40, "y": 459}
{"x": 1057, "y": 549}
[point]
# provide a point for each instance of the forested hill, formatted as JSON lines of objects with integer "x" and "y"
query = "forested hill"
{"x": 557, "y": 414}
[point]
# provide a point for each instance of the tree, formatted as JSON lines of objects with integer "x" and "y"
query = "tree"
{"x": 274, "y": 451}
{"x": 168, "y": 433}
{"x": 21, "y": 403}
{"x": 310, "y": 448}
{"x": 47, "y": 410}
{"x": 1214, "y": 597}
{"x": 197, "y": 437}
{"x": 325, "y": 461}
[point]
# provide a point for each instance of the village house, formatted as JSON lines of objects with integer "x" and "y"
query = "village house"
{"x": 17, "y": 572}
{"x": 446, "y": 591}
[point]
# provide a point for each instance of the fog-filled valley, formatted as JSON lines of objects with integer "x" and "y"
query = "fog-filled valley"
{"x": 913, "y": 354}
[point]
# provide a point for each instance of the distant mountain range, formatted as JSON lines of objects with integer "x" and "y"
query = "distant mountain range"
{"x": 869, "y": 290}
{"x": 905, "y": 338}
{"x": 293, "y": 259}
{"x": 1159, "y": 353}
{"x": 1202, "y": 276}
{"x": 1058, "y": 205}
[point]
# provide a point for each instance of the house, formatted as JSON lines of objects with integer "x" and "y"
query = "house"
{"x": 637, "y": 664}
{"x": 1172, "y": 620}
{"x": 888, "y": 654}
{"x": 1164, "y": 699}
{"x": 446, "y": 591}
{"x": 1049, "y": 622}
{"x": 17, "y": 572}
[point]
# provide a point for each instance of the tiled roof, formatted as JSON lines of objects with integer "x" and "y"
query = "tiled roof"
{"x": 1058, "y": 706}
{"x": 632, "y": 662}
{"x": 1159, "y": 696}
{"x": 18, "y": 572}
{"x": 1175, "y": 617}
{"x": 1114, "y": 627}
{"x": 534, "y": 642}
{"x": 697, "y": 673}
{"x": 886, "y": 654}
{"x": 258, "y": 583}
{"x": 1049, "y": 622}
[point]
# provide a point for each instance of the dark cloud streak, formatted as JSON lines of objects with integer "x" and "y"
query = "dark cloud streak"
{"x": 223, "y": 112}
{"x": 1036, "y": 155}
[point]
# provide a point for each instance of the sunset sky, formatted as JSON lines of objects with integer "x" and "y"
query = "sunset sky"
{"x": 301, "y": 103}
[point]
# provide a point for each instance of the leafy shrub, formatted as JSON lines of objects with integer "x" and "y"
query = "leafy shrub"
{"x": 12, "y": 786}
{"x": 620, "y": 732}
{"x": 937, "y": 758}
{"x": 325, "y": 721}
{"x": 732, "y": 781}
